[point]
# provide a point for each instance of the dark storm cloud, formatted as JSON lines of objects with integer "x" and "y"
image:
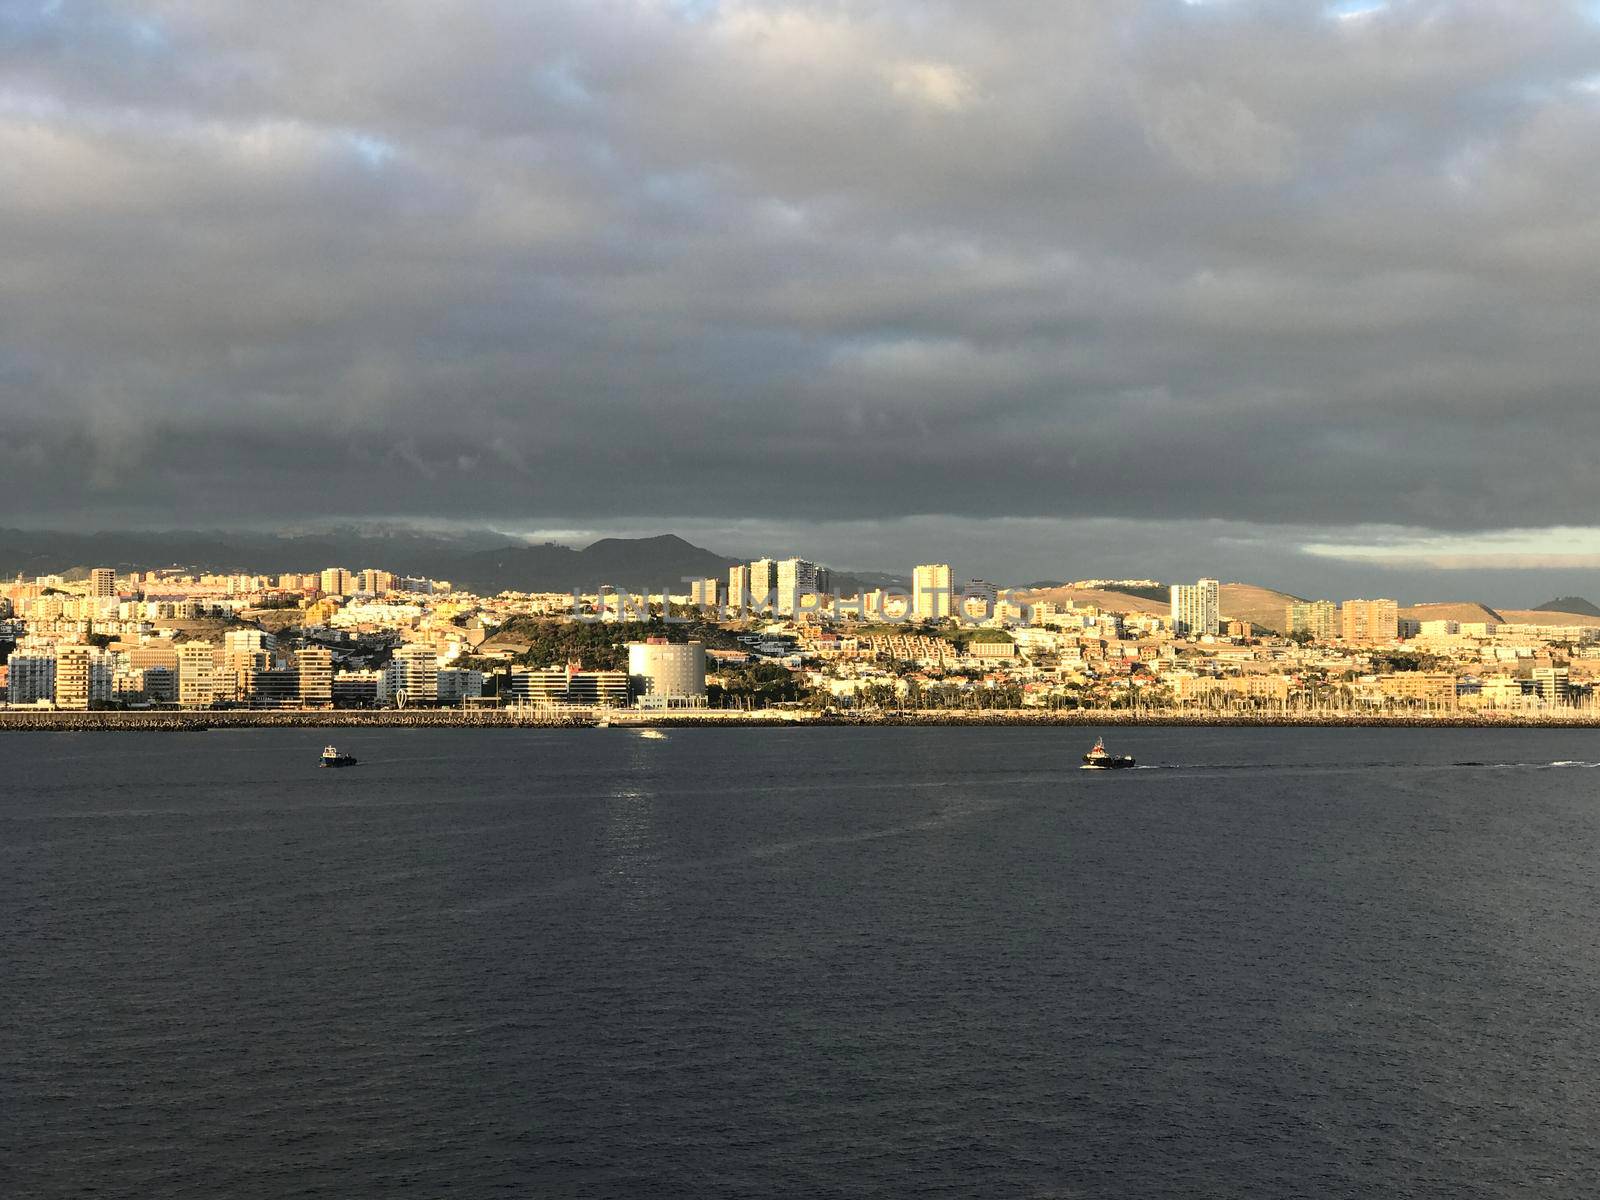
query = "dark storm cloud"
{"x": 803, "y": 263}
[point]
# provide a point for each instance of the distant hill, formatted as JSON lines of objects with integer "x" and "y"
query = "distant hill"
{"x": 1452, "y": 611}
{"x": 1237, "y": 601}
{"x": 1542, "y": 616}
{"x": 407, "y": 551}
{"x": 1121, "y": 602}
{"x": 481, "y": 560}
{"x": 1258, "y": 605}
{"x": 1568, "y": 604}
{"x": 635, "y": 564}
{"x": 851, "y": 583}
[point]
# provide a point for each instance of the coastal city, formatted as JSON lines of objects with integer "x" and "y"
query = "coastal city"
{"x": 774, "y": 635}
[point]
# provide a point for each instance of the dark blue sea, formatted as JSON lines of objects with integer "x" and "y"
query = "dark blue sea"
{"x": 802, "y": 962}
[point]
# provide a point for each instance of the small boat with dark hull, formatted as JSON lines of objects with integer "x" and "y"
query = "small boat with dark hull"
{"x": 332, "y": 758}
{"x": 1101, "y": 759}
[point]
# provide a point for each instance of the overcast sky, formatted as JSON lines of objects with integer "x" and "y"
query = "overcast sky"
{"x": 1300, "y": 293}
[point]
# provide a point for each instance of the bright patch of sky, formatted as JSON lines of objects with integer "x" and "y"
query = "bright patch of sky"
{"x": 372, "y": 150}
{"x": 1352, "y": 10}
{"x": 561, "y": 82}
{"x": 1560, "y": 546}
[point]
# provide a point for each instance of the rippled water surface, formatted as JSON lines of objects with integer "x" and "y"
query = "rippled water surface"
{"x": 823, "y": 962}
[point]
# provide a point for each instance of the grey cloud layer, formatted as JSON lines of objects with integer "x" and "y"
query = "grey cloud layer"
{"x": 1127, "y": 259}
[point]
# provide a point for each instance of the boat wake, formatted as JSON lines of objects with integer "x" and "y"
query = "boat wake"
{"x": 1557, "y": 765}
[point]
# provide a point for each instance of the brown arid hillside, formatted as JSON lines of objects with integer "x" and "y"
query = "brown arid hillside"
{"x": 1540, "y": 616}
{"x": 1119, "y": 602}
{"x": 1258, "y": 605}
{"x": 1238, "y": 602}
{"x": 1454, "y": 611}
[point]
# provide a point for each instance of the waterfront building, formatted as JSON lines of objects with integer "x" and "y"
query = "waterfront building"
{"x": 316, "y": 677}
{"x": 197, "y": 674}
{"x": 570, "y": 684}
{"x": 1502, "y": 691}
{"x": 160, "y": 684}
{"x": 73, "y": 681}
{"x": 1256, "y": 690}
{"x": 666, "y": 674}
{"x": 414, "y": 676}
{"x": 1426, "y": 689}
{"x": 1195, "y": 608}
{"x": 458, "y": 684}
{"x": 272, "y": 687}
{"x": 1369, "y": 620}
{"x": 32, "y": 678}
{"x": 357, "y": 689}
{"x": 1319, "y": 618}
{"x": 127, "y": 685}
{"x": 1552, "y": 684}
{"x": 932, "y": 594}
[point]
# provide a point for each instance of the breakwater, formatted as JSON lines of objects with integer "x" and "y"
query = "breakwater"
{"x": 201, "y": 720}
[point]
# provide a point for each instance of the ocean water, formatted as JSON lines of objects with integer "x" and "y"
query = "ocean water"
{"x": 808, "y": 962}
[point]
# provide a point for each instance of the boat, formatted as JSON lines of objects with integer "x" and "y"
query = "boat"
{"x": 1101, "y": 759}
{"x": 332, "y": 758}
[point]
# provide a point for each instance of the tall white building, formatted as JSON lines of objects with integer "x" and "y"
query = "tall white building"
{"x": 102, "y": 583}
{"x": 337, "y": 581}
{"x": 246, "y": 653}
{"x": 932, "y": 592}
{"x": 738, "y": 587}
{"x": 796, "y": 578}
{"x": 1195, "y": 608}
{"x": 415, "y": 671}
{"x": 240, "y": 646}
{"x": 316, "y": 677}
{"x": 74, "y": 676}
{"x": 197, "y": 674}
{"x": 374, "y": 582}
{"x": 666, "y": 674}
{"x": 763, "y": 584}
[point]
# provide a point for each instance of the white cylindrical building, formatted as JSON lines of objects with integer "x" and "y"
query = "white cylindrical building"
{"x": 667, "y": 675}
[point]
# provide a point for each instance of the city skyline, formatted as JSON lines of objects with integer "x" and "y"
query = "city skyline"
{"x": 774, "y": 634}
{"x": 975, "y": 281}
{"x": 1092, "y": 552}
